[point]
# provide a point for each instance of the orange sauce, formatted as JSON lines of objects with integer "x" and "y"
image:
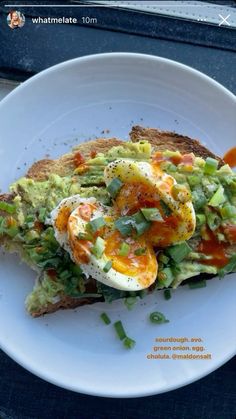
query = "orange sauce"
{"x": 230, "y": 157}
{"x": 78, "y": 159}
{"x": 215, "y": 249}
{"x": 62, "y": 219}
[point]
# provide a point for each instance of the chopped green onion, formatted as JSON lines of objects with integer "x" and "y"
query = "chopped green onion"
{"x": 201, "y": 219}
{"x": 128, "y": 343}
{"x": 130, "y": 302}
{"x": 197, "y": 284}
{"x": 230, "y": 267}
{"x": 228, "y": 211}
{"x": 31, "y": 236}
{"x": 85, "y": 236}
{"x": 194, "y": 180}
{"x": 65, "y": 275}
{"x": 105, "y": 318}
{"x": 213, "y": 220}
{"x": 218, "y": 198}
{"x": 163, "y": 258}
{"x": 120, "y": 330}
{"x": 124, "y": 249}
{"x": 76, "y": 270}
{"x": 140, "y": 251}
{"x": 108, "y": 266}
{"x": 114, "y": 187}
{"x": 158, "y": 318}
{"x": 12, "y": 231}
{"x": 151, "y": 214}
{"x": 165, "y": 276}
{"x": 199, "y": 199}
{"x": 96, "y": 224}
{"x": 179, "y": 251}
{"x": 125, "y": 225}
{"x": 98, "y": 248}
{"x": 29, "y": 219}
{"x": 167, "y": 294}
{"x": 9, "y": 208}
{"x": 165, "y": 208}
{"x": 42, "y": 214}
{"x": 141, "y": 224}
{"x": 210, "y": 166}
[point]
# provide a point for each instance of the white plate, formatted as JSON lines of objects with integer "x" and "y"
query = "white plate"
{"x": 64, "y": 105}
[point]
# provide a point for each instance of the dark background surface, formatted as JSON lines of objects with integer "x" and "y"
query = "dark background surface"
{"x": 23, "y": 53}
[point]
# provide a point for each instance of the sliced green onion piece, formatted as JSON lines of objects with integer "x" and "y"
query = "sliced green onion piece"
{"x": 158, "y": 318}
{"x": 105, "y": 318}
{"x": 76, "y": 270}
{"x": 201, "y": 219}
{"x": 96, "y": 224}
{"x": 165, "y": 208}
{"x": 165, "y": 276}
{"x": 140, "y": 251}
{"x": 65, "y": 275}
{"x": 114, "y": 187}
{"x": 129, "y": 343}
{"x": 197, "y": 284}
{"x": 42, "y": 214}
{"x": 228, "y": 211}
{"x": 167, "y": 294}
{"x": 130, "y": 302}
{"x": 163, "y": 258}
{"x": 213, "y": 220}
{"x": 120, "y": 330}
{"x": 12, "y": 231}
{"x": 108, "y": 266}
{"x": 210, "y": 166}
{"x": 218, "y": 198}
{"x": 141, "y": 224}
{"x": 85, "y": 236}
{"x": 230, "y": 267}
{"x": 124, "y": 249}
{"x": 31, "y": 236}
{"x": 9, "y": 208}
{"x": 29, "y": 219}
{"x": 179, "y": 251}
{"x": 194, "y": 180}
{"x": 151, "y": 214}
{"x": 98, "y": 248}
{"x": 125, "y": 225}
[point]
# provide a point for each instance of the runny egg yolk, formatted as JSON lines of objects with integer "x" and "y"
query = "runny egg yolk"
{"x": 144, "y": 267}
{"x": 176, "y": 225}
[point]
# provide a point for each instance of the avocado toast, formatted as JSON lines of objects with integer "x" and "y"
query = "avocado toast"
{"x": 27, "y": 226}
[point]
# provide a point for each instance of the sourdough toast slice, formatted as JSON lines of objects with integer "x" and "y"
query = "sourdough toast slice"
{"x": 160, "y": 140}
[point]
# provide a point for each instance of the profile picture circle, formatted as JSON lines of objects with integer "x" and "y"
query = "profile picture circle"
{"x": 15, "y": 19}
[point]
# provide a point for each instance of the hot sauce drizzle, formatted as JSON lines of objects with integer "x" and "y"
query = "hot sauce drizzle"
{"x": 230, "y": 157}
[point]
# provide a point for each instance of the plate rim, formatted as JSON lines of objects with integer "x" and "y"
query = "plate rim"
{"x": 132, "y": 55}
{"x": 88, "y": 58}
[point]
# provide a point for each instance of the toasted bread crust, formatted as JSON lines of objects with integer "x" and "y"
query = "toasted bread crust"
{"x": 64, "y": 165}
{"x": 165, "y": 140}
{"x": 65, "y": 303}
